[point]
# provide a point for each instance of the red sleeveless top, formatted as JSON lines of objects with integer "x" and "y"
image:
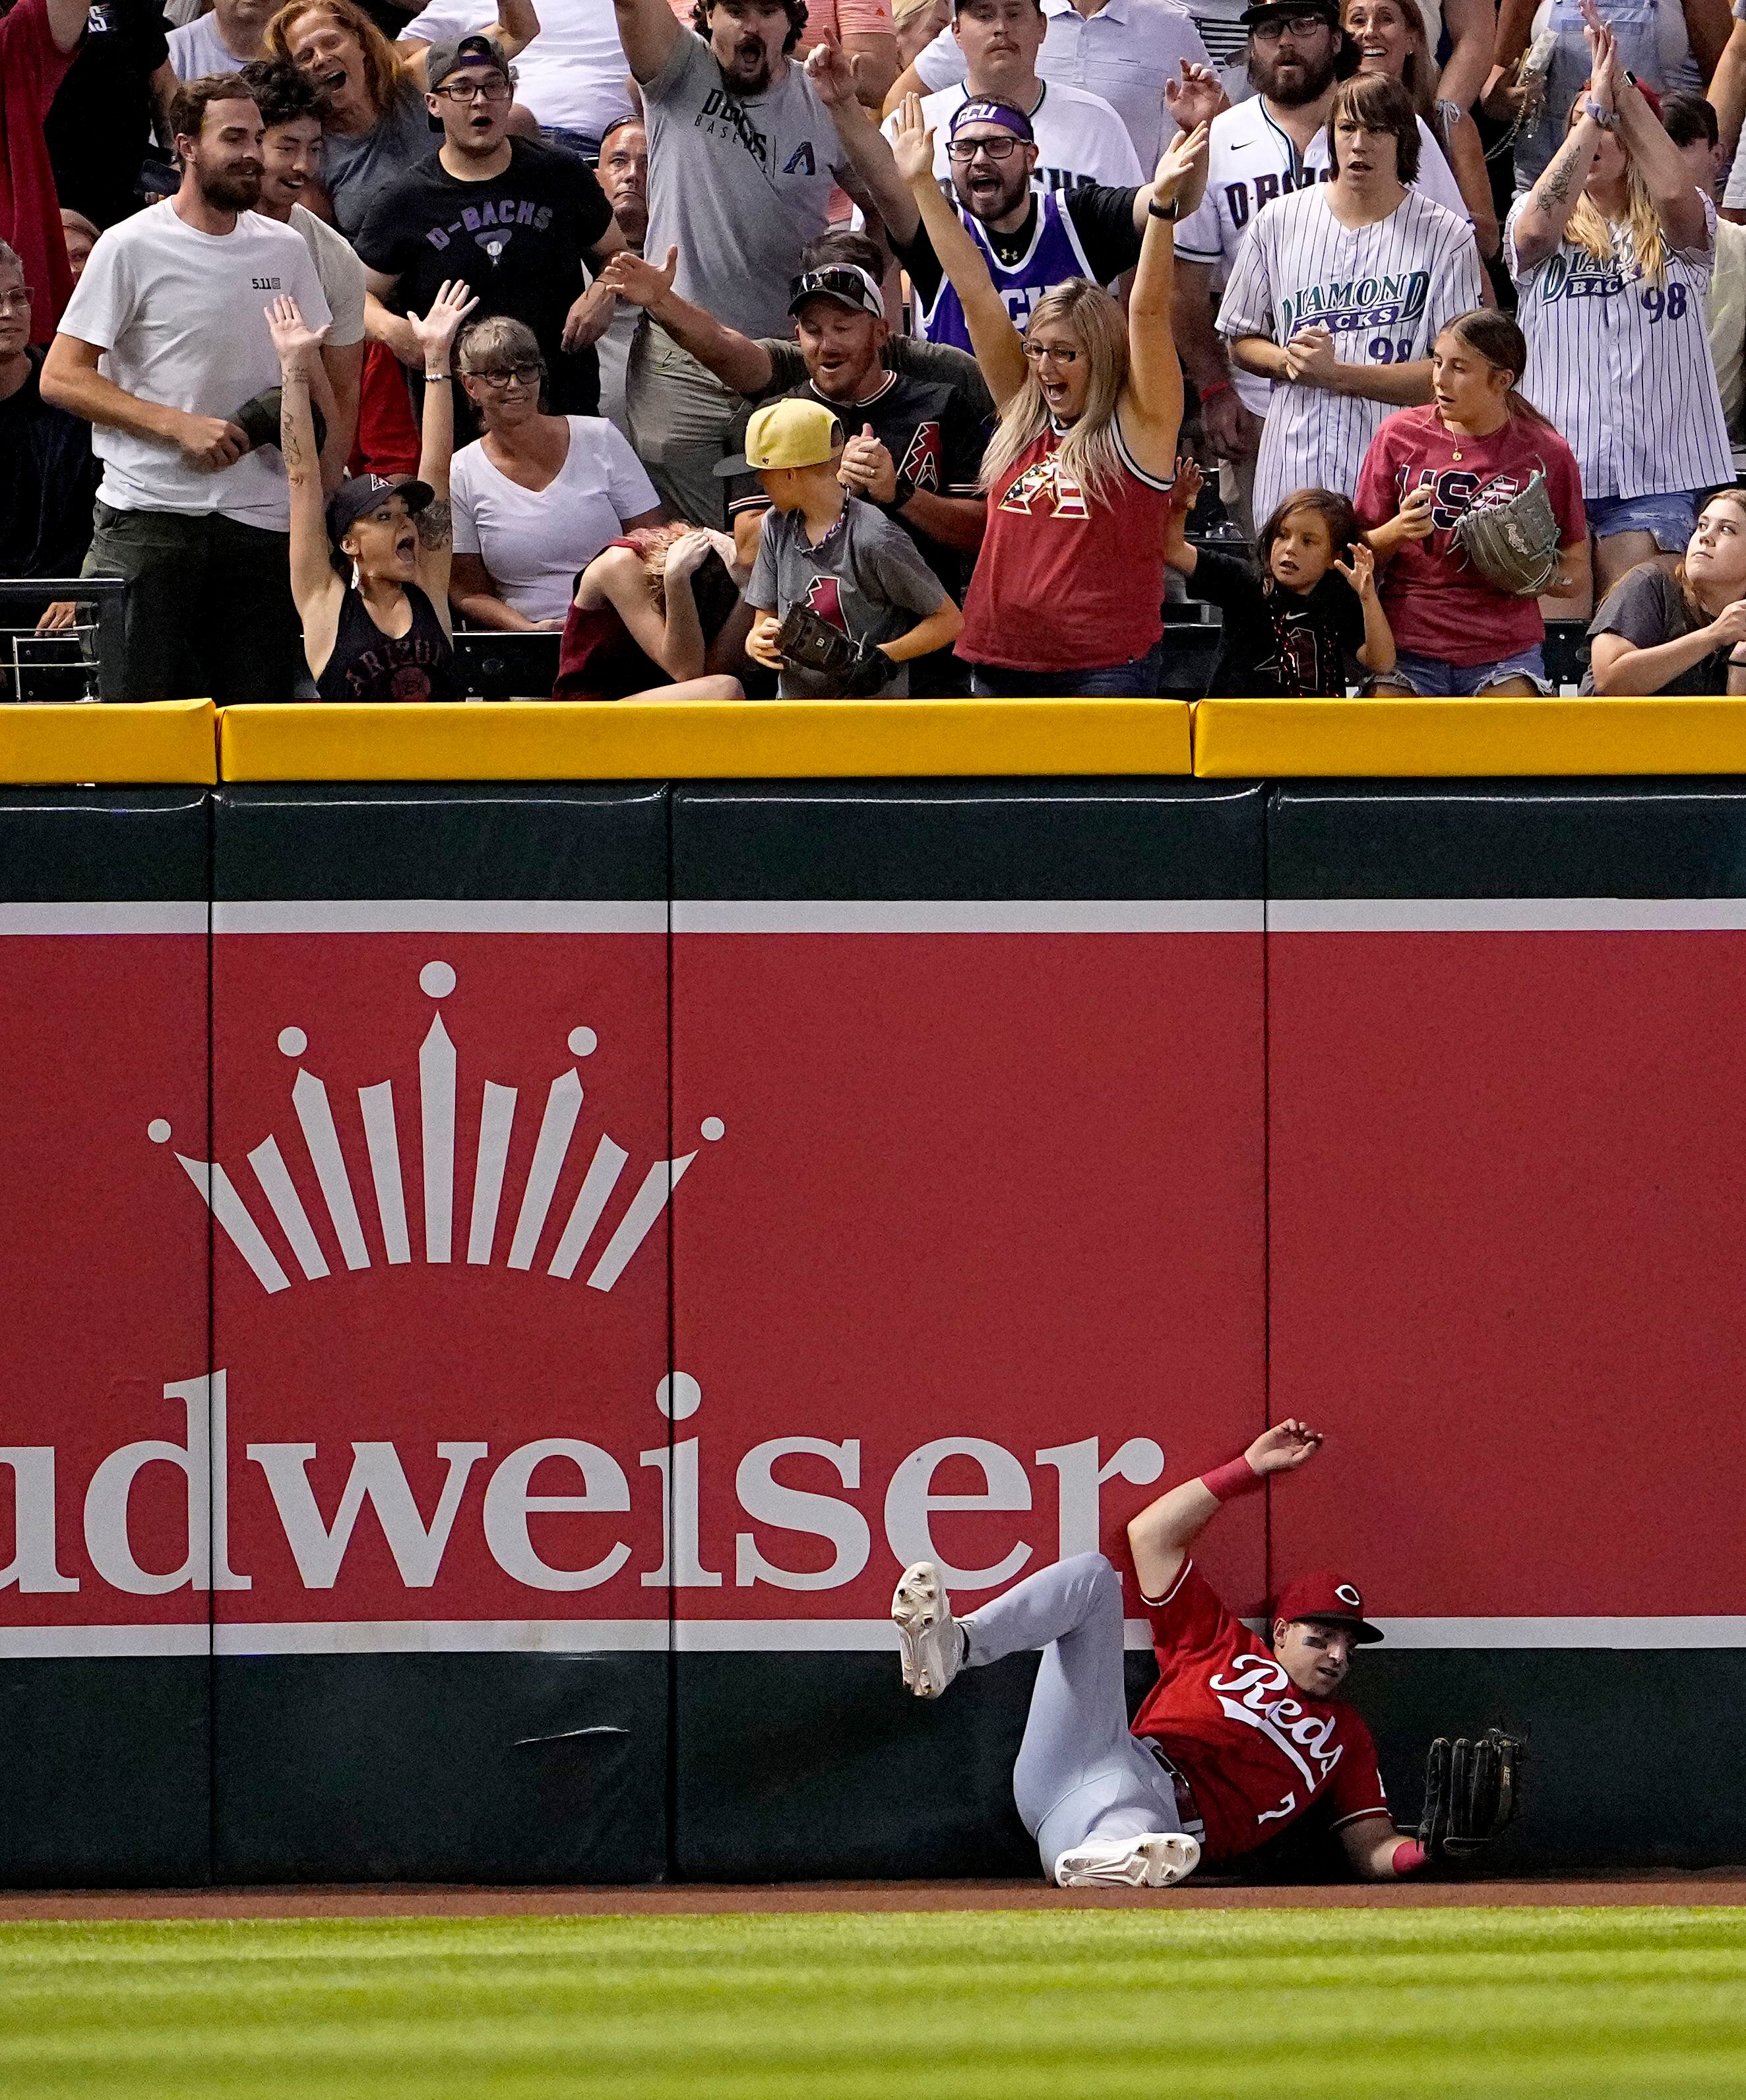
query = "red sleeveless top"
{"x": 596, "y": 659}
{"x": 1062, "y": 583}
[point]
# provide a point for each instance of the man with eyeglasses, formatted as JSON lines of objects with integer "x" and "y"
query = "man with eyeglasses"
{"x": 1031, "y": 239}
{"x": 1262, "y": 150}
{"x": 47, "y": 475}
{"x": 514, "y": 217}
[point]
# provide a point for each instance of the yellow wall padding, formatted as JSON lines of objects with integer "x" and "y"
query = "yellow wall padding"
{"x": 1469, "y": 739}
{"x": 704, "y": 740}
{"x": 142, "y": 744}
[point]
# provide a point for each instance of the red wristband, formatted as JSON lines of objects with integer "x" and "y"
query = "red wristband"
{"x": 1227, "y": 1481}
{"x": 1409, "y": 1856}
{"x": 1217, "y": 386}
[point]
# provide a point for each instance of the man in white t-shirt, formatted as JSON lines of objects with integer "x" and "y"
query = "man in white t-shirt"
{"x": 1261, "y": 150}
{"x": 288, "y": 100}
{"x": 572, "y": 76}
{"x": 165, "y": 339}
{"x": 222, "y": 42}
{"x": 1079, "y": 137}
{"x": 1123, "y": 50}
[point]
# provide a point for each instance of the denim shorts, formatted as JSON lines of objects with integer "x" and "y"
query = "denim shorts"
{"x": 1138, "y": 678}
{"x": 1433, "y": 680}
{"x": 1672, "y": 518}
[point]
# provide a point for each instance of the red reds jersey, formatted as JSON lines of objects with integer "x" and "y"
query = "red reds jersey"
{"x": 1257, "y": 1751}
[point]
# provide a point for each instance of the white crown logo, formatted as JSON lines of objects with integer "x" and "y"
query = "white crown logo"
{"x": 437, "y": 1091}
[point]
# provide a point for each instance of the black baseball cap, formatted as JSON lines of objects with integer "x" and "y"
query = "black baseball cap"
{"x": 1271, "y": 10}
{"x": 453, "y": 52}
{"x": 364, "y": 492}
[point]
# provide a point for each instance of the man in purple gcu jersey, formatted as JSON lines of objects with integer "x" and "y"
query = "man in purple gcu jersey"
{"x": 1032, "y": 241}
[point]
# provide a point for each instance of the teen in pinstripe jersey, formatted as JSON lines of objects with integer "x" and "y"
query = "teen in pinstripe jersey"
{"x": 1339, "y": 291}
{"x": 1612, "y": 251}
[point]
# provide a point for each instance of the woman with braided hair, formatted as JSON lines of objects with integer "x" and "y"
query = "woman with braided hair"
{"x": 1478, "y": 445}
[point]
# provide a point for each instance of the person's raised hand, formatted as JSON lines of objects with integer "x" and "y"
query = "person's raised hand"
{"x": 912, "y": 142}
{"x": 1284, "y": 1448}
{"x": 1310, "y": 359}
{"x": 761, "y": 643}
{"x": 1603, "y": 56}
{"x": 1185, "y": 490}
{"x": 1179, "y": 160}
{"x": 294, "y": 340}
{"x": 636, "y": 280}
{"x": 691, "y": 550}
{"x": 1412, "y": 520}
{"x": 1197, "y": 98}
{"x": 867, "y": 469}
{"x": 1729, "y": 626}
{"x": 833, "y": 74}
{"x": 434, "y": 332}
{"x": 1360, "y": 571}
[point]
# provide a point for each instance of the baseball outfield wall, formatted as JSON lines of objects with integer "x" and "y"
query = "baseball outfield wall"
{"x": 497, "y": 1275}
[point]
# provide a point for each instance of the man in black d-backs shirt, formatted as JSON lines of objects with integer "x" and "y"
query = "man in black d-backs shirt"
{"x": 513, "y": 219}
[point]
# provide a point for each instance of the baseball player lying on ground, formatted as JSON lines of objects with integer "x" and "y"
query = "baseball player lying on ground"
{"x": 1237, "y": 1739}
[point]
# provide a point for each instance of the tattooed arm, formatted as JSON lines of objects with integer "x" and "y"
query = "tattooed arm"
{"x": 315, "y": 585}
{"x": 1540, "y": 225}
{"x": 435, "y": 334}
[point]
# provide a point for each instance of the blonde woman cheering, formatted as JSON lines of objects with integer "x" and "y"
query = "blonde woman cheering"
{"x": 1067, "y": 590}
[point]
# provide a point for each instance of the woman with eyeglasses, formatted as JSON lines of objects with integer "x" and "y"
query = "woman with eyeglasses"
{"x": 1068, "y": 587}
{"x": 538, "y": 496}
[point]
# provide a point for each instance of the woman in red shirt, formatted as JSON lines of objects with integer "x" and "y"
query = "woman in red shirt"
{"x": 1068, "y": 586}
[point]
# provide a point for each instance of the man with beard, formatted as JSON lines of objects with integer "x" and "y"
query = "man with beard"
{"x": 1031, "y": 239}
{"x": 743, "y": 159}
{"x": 1261, "y": 150}
{"x": 173, "y": 300}
{"x": 515, "y": 217}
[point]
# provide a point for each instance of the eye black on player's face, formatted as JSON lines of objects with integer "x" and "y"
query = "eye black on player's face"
{"x": 1314, "y": 1655}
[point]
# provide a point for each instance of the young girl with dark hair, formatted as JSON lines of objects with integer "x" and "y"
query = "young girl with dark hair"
{"x": 1291, "y": 627}
{"x": 1477, "y": 444}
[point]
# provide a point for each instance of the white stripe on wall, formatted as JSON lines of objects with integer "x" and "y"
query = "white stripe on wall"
{"x": 766, "y": 1636}
{"x": 442, "y": 916}
{"x": 961, "y": 915}
{"x": 104, "y": 918}
{"x": 1507, "y": 914}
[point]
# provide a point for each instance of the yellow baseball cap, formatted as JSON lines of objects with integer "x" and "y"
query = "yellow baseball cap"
{"x": 790, "y": 432}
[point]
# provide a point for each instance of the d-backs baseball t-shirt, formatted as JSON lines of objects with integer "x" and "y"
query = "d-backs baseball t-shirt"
{"x": 738, "y": 185}
{"x": 1438, "y": 604}
{"x": 1256, "y": 1750}
{"x": 517, "y": 239}
{"x": 864, "y": 578}
{"x": 181, "y": 318}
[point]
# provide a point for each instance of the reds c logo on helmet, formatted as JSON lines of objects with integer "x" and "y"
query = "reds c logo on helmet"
{"x": 1347, "y": 1595}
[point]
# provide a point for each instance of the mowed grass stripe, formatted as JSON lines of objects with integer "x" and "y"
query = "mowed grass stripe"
{"x": 1569, "y": 2004}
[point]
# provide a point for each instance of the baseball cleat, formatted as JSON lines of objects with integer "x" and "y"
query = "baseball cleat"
{"x": 1151, "y": 1861}
{"x": 932, "y": 1641}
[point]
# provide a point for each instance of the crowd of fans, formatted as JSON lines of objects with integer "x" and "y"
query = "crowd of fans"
{"x": 789, "y": 348}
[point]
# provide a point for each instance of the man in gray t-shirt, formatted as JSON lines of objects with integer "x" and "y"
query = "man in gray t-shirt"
{"x": 742, "y": 158}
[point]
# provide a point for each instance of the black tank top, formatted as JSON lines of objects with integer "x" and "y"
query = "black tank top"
{"x": 369, "y": 665}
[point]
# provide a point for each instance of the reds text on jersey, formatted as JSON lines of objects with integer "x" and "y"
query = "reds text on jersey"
{"x": 1257, "y": 1751}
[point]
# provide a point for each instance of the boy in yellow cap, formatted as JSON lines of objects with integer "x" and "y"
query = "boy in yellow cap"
{"x": 853, "y": 572}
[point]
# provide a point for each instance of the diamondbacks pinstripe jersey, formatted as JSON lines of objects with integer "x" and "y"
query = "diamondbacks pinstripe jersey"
{"x": 1251, "y": 162}
{"x": 1621, "y": 364}
{"x": 1384, "y": 291}
{"x": 1055, "y": 254}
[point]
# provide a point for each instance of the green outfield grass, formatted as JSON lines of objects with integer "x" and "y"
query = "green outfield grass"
{"x": 1056, "y": 2004}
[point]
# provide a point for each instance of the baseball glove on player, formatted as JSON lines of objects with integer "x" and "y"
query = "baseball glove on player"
{"x": 1513, "y": 546}
{"x": 813, "y": 645}
{"x": 1472, "y": 1790}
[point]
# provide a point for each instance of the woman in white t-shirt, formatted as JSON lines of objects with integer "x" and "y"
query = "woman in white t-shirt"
{"x": 538, "y": 496}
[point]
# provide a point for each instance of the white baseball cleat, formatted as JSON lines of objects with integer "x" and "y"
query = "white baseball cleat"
{"x": 1151, "y": 1861}
{"x": 933, "y": 1642}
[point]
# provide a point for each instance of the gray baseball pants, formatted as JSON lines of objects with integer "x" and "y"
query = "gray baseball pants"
{"x": 1080, "y": 1774}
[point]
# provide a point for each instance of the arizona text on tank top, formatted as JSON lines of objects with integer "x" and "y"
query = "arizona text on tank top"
{"x": 1063, "y": 584}
{"x": 369, "y": 665}
{"x": 1054, "y": 255}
